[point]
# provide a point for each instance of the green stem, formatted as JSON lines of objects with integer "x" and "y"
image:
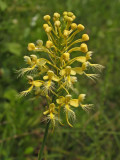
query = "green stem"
{"x": 43, "y": 143}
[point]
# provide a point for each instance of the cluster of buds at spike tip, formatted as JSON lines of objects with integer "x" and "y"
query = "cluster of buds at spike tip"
{"x": 54, "y": 76}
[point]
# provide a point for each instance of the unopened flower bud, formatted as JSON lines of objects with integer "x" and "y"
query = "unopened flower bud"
{"x": 85, "y": 37}
{"x": 83, "y": 47}
{"x": 69, "y": 19}
{"x": 65, "y": 13}
{"x": 65, "y": 17}
{"x": 73, "y": 17}
{"x": 45, "y": 26}
{"x": 48, "y": 29}
{"x": 39, "y": 42}
{"x": 66, "y": 56}
{"x": 66, "y": 33}
{"x": 31, "y": 46}
{"x": 49, "y": 44}
{"x": 80, "y": 27}
{"x": 57, "y": 23}
{"x": 46, "y": 18}
{"x": 70, "y": 14}
{"x": 56, "y": 15}
{"x": 68, "y": 97}
{"x": 73, "y": 26}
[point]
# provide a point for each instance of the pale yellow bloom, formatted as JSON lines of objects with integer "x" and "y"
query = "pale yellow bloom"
{"x": 66, "y": 56}
{"x": 51, "y": 113}
{"x": 54, "y": 76}
{"x": 33, "y": 83}
{"x": 67, "y": 102}
{"x": 49, "y": 84}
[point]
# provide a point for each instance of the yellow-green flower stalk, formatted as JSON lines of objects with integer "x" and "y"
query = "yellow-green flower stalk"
{"x": 54, "y": 77}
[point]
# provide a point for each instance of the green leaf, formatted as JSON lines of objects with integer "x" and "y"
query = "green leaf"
{"x": 29, "y": 150}
{"x": 10, "y": 94}
{"x": 3, "y": 5}
{"x": 14, "y": 48}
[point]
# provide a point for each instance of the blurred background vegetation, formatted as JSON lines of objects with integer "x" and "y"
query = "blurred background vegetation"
{"x": 95, "y": 136}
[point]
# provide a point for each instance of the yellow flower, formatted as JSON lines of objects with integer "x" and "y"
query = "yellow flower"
{"x": 72, "y": 71}
{"x": 33, "y": 83}
{"x": 56, "y": 74}
{"x": 66, "y": 56}
{"x": 85, "y": 107}
{"x": 51, "y": 109}
{"x": 49, "y": 84}
{"x": 34, "y": 63}
{"x": 51, "y": 113}
{"x": 67, "y": 102}
{"x": 83, "y": 59}
{"x": 51, "y": 76}
{"x": 67, "y": 71}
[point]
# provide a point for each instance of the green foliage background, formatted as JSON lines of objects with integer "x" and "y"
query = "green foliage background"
{"x": 95, "y": 136}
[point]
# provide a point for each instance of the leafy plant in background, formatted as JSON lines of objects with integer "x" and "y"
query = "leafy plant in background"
{"x": 54, "y": 77}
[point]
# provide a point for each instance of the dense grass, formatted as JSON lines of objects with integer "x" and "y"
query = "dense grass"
{"x": 95, "y": 136}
